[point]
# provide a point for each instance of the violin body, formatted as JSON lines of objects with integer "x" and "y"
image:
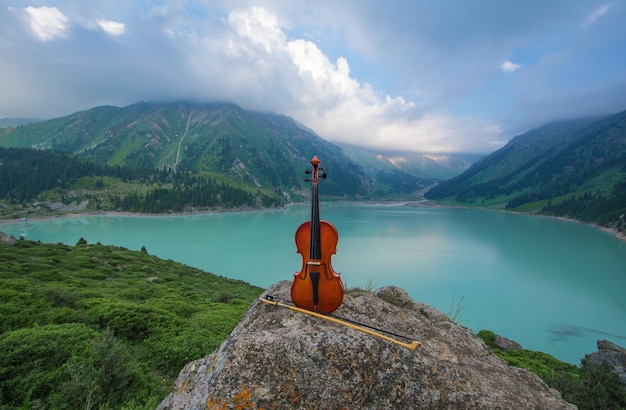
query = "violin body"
{"x": 330, "y": 287}
{"x": 316, "y": 287}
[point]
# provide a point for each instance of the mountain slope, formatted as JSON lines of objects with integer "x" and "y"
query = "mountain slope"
{"x": 259, "y": 149}
{"x": 59, "y": 303}
{"x": 420, "y": 164}
{"x": 16, "y": 122}
{"x": 556, "y": 164}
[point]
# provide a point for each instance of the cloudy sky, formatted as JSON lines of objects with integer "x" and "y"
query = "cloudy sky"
{"x": 423, "y": 75}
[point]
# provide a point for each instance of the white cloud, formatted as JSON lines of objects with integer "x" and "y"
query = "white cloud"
{"x": 433, "y": 132}
{"x": 509, "y": 66}
{"x": 112, "y": 27}
{"x": 298, "y": 79}
{"x": 595, "y": 15}
{"x": 324, "y": 96}
{"x": 353, "y": 80}
{"x": 258, "y": 26}
{"x": 47, "y": 22}
{"x": 251, "y": 61}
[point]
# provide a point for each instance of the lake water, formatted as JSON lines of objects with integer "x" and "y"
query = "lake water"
{"x": 552, "y": 285}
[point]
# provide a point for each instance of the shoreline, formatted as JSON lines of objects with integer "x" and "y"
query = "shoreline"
{"x": 424, "y": 203}
{"x": 78, "y": 214}
{"x": 614, "y": 232}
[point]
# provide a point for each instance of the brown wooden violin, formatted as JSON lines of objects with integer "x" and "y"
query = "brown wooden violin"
{"x": 316, "y": 287}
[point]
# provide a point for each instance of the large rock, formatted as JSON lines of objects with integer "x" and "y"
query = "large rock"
{"x": 6, "y": 239}
{"x": 277, "y": 358}
{"x": 502, "y": 343}
{"x": 611, "y": 355}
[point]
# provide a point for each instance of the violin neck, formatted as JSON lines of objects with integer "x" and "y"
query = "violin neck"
{"x": 315, "y": 247}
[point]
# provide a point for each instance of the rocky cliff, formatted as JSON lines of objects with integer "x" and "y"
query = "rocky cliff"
{"x": 277, "y": 358}
{"x": 611, "y": 355}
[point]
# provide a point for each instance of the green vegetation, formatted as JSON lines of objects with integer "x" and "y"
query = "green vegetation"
{"x": 36, "y": 182}
{"x": 587, "y": 386}
{"x": 575, "y": 169}
{"x": 102, "y": 327}
{"x": 260, "y": 150}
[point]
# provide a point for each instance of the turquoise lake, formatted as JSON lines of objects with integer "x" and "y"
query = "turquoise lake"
{"x": 551, "y": 285}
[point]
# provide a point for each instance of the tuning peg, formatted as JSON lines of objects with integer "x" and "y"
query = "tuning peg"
{"x": 324, "y": 175}
{"x": 308, "y": 171}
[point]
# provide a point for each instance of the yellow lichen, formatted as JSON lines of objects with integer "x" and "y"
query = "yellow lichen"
{"x": 241, "y": 401}
{"x": 183, "y": 386}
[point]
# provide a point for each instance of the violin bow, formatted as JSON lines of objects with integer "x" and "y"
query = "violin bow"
{"x": 270, "y": 300}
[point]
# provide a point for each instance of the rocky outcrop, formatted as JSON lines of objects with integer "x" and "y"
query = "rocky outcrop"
{"x": 6, "y": 239}
{"x": 277, "y": 358}
{"x": 611, "y": 355}
{"x": 502, "y": 343}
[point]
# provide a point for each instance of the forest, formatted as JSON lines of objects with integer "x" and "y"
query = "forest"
{"x": 587, "y": 207}
{"x": 27, "y": 174}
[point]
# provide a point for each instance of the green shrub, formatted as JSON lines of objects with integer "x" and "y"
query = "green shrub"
{"x": 224, "y": 297}
{"x": 33, "y": 360}
{"x": 67, "y": 314}
{"x": 111, "y": 376}
{"x": 488, "y": 337}
{"x": 547, "y": 367}
{"x": 129, "y": 320}
{"x": 59, "y": 296}
{"x": 588, "y": 387}
{"x": 599, "y": 387}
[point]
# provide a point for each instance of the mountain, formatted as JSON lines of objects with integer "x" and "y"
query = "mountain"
{"x": 16, "y": 122}
{"x": 420, "y": 164}
{"x": 257, "y": 149}
{"x": 572, "y": 168}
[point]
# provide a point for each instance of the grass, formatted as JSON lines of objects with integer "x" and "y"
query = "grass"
{"x": 457, "y": 310}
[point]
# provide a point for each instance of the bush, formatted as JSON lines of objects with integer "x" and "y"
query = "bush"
{"x": 488, "y": 337}
{"x": 110, "y": 376}
{"x": 588, "y": 387}
{"x": 599, "y": 387}
{"x": 70, "y": 366}
{"x": 90, "y": 327}
{"x": 33, "y": 360}
{"x": 129, "y": 320}
{"x": 547, "y": 367}
{"x": 224, "y": 297}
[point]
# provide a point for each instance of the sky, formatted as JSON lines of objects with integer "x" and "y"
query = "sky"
{"x": 439, "y": 76}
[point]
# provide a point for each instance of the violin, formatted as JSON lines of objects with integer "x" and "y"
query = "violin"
{"x": 316, "y": 287}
